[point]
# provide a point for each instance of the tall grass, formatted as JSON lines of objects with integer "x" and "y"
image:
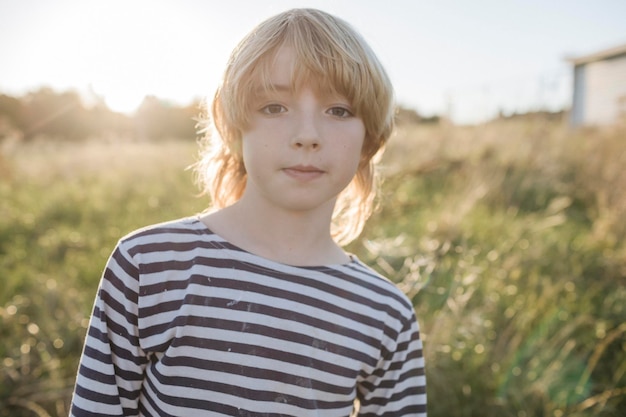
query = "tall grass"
{"x": 508, "y": 237}
{"x": 63, "y": 208}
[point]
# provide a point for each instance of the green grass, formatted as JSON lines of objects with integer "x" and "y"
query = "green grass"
{"x": 67, "y": 206}
{"x": 508, "y": 237}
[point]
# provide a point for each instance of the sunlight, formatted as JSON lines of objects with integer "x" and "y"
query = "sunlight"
{"x": 121, "y": 97}
{"x": 121, "y": 51}
{"x": 121, "y": 69}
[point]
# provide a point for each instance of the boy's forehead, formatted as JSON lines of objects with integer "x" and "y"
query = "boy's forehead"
{"x": 318, "y": 85}
{"x": 283, "y": 60}
{"x": 290, "y": 68}
{"x": 283, "y": 71}
{"x": 294, "y": 83}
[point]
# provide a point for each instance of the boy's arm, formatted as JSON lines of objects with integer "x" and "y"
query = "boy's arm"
{"x": 398, "y": 387}
{"x": 112, "y": 364}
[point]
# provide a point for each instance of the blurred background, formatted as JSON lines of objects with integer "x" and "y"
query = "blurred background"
{"x": 502, "y": 211}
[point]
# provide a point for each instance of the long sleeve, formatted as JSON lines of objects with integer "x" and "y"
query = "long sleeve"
{"x": 398, "y": 387}
{"x": 185, "y": 323}
{"x": 112, "y": 363}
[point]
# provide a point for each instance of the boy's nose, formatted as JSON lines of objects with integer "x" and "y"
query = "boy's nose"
{"x": 307, "y": 133}
{"x": 306, "y": 142}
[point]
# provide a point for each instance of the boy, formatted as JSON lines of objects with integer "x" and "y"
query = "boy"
{"x": 253, "y": 308}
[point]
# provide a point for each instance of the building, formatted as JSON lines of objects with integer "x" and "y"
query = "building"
{"x": 599, "y": 87}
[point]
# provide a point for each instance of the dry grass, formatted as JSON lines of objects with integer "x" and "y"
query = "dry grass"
{"x": 509, "y": 237}
{"x": 53, "y": 160}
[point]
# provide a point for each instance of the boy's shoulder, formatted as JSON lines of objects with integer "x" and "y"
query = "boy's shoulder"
{"x": 183, "y": 229}
{"x": 381, "y": 284}
{"x": 189, "y": 233}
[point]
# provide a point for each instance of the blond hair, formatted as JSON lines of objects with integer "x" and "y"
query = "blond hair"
{"x": 331, "y": 53}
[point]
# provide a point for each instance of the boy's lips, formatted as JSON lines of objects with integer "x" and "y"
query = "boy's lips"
{"x": 303, "y": 172}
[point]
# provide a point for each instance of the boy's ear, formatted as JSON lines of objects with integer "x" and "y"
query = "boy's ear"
{"x": 235, "y": 144}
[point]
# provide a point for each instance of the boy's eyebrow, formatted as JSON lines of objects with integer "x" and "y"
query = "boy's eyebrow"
{"x": 263, "y": 89}
{"x": 274, "y": 87}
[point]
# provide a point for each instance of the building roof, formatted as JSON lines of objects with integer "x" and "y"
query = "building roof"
{"x": 599, "y": 55}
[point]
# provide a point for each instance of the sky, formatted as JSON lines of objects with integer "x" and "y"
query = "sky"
{"x": 462, "y": 59}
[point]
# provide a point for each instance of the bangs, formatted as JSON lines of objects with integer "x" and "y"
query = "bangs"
{"x": 331, "y": 58}
{"x": 324, "y": 73}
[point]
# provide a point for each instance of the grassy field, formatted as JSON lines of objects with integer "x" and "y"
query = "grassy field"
{"x": 509, "y": 237}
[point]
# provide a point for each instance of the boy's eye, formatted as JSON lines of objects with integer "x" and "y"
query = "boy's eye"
{"x": 273, "y": 109}
{"x": 339, "y": 112}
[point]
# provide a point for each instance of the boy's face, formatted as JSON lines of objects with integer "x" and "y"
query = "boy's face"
{"x": 300, "y": 148}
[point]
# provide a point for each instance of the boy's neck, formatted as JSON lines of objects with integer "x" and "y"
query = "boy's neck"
{"x": 292, "y": 238}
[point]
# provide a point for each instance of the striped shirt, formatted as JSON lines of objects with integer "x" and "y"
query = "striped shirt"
{"x": 187, "y": 324}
